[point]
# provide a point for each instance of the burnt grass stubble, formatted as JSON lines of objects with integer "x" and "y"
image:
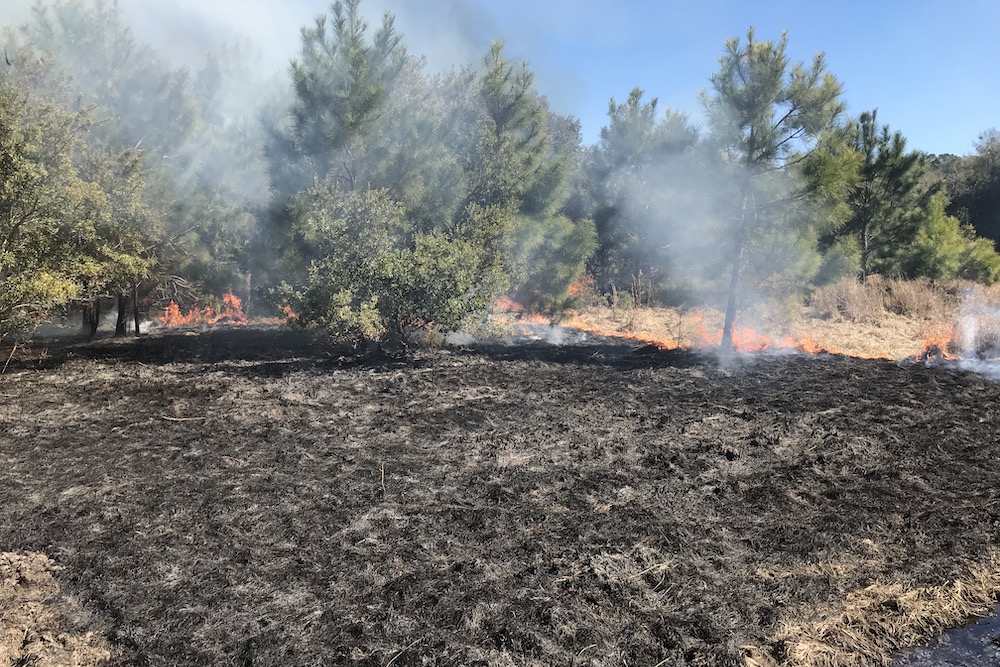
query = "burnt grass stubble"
{"x": 241, "y": 497}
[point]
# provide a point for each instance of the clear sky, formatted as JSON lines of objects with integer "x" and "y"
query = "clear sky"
{"x": 932, "y": 68}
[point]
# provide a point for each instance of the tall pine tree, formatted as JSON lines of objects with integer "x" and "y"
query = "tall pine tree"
{"x": 889, "y": 193}
{"x": 766, "y": 116}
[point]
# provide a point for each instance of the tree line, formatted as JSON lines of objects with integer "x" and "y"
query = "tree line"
{"x": 376, "y": 199}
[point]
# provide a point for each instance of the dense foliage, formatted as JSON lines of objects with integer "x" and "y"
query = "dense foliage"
{"x": 377, "y": 199}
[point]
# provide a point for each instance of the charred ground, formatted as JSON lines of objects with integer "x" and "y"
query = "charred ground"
{"x": 244, "y": 497}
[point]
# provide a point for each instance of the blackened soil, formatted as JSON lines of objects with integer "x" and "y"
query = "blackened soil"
{"x": 244, "y": 498}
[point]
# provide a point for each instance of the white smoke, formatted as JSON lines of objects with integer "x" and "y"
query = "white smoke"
{"x": 978, "y": 332}
{"x": 979, "y": 326}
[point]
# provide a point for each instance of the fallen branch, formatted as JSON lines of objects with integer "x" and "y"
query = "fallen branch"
{"x": 396, "y": 657}
{"x": 182, "y": 419}
{"x": 12, "y": 350}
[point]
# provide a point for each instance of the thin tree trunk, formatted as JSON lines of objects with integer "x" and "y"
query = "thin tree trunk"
{"x": 726, "y": 347}
{"x": 865, "y": 251}
{"x": 248, "y": 288}
{"x": 135, "y": 307}
{"x": 121, "y": 324}
{"x": 94, "y": 315}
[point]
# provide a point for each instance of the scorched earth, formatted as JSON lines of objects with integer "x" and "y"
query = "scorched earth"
{"x": 242, "y": 497}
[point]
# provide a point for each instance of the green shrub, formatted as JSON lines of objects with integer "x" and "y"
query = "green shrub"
{"x": 374, "y": 277}
{"x": 981, "y": 262}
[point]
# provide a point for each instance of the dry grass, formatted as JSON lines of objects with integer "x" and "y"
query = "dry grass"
{"x": 879, "y": 620}
{"x": 871, "y": 301}
{"x": 921, "y": 299}
{"x": 888, "y": 319}
{"x": 891, "y": 337}
{"x": 33, "y": 626}
{"x": 850, "y": 301}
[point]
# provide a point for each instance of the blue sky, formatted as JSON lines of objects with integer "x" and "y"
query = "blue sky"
{"x": 931, "y": 68}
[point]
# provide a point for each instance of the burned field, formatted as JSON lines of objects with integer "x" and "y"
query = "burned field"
{"x": 240, "y": 497}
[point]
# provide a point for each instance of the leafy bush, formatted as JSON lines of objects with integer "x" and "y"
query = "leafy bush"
{"x": 375, "y": 278}
{"x": 45, "y": 210}
{"x": 981, "y": 262}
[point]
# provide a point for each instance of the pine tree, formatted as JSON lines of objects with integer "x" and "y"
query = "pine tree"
{"x": 975, "y": 187}
{"x": 342, "y": 81}
{"x": 888, "y": 195}
{"x": 766, "y": 117}
{"x": 644, "y": 169}
{"x": 518, "y": 169}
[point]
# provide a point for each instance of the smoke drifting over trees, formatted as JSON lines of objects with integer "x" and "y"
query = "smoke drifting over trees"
{"x": 380, "y": 183}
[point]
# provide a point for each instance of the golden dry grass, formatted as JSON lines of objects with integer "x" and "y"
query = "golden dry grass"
{"x": 889, "y": 319}
{"x": 891, "y": 337}
{"x": 873, "y": 623}
{"x": 32, "y": 630}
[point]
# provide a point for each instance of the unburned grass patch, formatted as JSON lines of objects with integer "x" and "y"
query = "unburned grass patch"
{"x": 36, "y": 620}
{"x": 874, "y": 623}
{"x": 850, "y": 300}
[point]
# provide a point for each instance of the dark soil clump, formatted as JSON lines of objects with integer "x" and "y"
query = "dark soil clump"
{"x": 243, "y": 497}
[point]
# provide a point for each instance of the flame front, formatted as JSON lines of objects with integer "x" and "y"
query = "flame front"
{"x": 696, "y": 333}
{"x": 507, "y": 305}
{"x": 940, "y": 343}
{"x": 232, "y": 309}
{"x": 641, "y": 337}
{"x": 232, "y": 313}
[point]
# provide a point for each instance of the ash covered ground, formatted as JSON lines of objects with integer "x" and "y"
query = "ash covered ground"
{"x": 244, "y": 497}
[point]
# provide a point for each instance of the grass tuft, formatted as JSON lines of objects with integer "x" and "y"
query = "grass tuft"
{"x": 851, "y": 301}
{"x": 874, "y": 623}
{"x": 35, "y": 617}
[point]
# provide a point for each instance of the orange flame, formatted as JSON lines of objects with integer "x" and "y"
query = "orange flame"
{"x": 748, "y": 340}
{"x": 232, "y": 313}
{"x": 698, "y": 335}
{"x": 805, "y": 343}
{"x": 507, "y": 304}
{"x": 534, "y": 318}
{"x": 581, "y": 287}
{"x": 172, "y": 316}
{"x": 642, "y": 337}
{"x": 940, "y": 343}
{"x": 287, "y": 311}
{"x": 232, "y": 309}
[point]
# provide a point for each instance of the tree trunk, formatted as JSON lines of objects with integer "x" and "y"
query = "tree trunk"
{"x": 121, "y": 324}
{"x": 135, "y": 307}
{"x": 726, "y": 346}
{"x": 865, "y": 251}
{"x": 93, "y": 315}
{"x": 247, "y": 287}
